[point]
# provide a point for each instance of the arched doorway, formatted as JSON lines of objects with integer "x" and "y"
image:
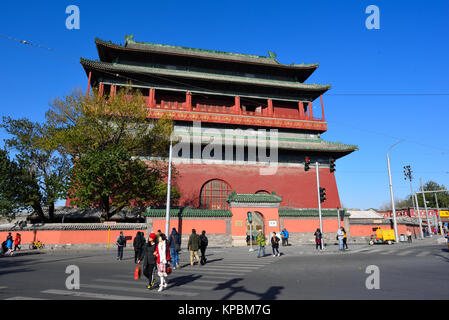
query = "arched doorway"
{"x": 257, "y": 225}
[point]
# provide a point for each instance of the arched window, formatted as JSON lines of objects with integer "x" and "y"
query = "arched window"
{"x": 262, "y": 192}
{"x": 214, "y": 194}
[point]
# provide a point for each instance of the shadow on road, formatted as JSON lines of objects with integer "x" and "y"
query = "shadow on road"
{"x": 270, "y": 294}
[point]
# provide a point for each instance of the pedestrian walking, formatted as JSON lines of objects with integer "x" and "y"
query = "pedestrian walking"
{"x": 193, "y": 246}
{"x": 275, "y": 245}
{"x": 284, "y": 236}
{"x": 345, "y": 238}
{"x": 203, "y": 246}
{"x": 318, "y": 236}
{"x": 138, "y": 244}
{"x": 17, "y": 242}
{"x": 163, "y": 256}
{"x": 260, "y": 243}
{"x": 408, "y": 233}
{"x": 340, "y": 236}
{"x": 175, "y": 246}
{"x": 121, "y": 243}
{"x": 149, "y": 260}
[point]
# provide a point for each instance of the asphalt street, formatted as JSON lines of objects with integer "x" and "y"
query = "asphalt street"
{"x": 416, "y": 271}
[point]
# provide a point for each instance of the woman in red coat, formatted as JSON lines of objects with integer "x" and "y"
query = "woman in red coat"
{"x": 162, "y": 254}
{"x": 17, "y": 242}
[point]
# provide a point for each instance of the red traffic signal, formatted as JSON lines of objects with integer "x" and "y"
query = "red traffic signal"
{"x": 307, "y": 164}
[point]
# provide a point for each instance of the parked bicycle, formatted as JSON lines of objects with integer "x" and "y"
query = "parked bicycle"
{"x": 37, "y": 245}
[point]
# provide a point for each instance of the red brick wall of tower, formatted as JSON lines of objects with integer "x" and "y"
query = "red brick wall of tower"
{"x": 296, "y": 187}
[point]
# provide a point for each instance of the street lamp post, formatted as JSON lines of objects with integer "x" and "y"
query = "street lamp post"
{"x": 167, "y": 210}
{"x": 391, "y": 192}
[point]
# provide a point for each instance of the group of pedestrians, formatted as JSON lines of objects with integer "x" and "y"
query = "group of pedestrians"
{"x": 156, "y": 254}
{"x": 261, "y": 242}
{"x": 7, "y": 245}
{"x": 342, "y": 238}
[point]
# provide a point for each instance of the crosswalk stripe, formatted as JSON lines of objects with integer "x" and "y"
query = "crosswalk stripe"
{"x": 3, "y": 287}
{"x": 375, "y": 250}
{"x": 422, "y": 254}
{"x": 210, "y": 267}
{"x": 24, "y": 298}
{"x": 388, "y": 252}
{"x": 210, "y": 272}
{"x": 176, "y": 292}
{"x": 170, "y": 280}
{"x": 404, "y": 253}
{"x": 83, "y": 294}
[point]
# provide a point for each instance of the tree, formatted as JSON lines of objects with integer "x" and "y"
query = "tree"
{"x": 81, "y": 124}
{"x": 105, "y": 135}
{"x": 42, "y": 169}
{"x": 112, "y": 180}
{"x": 443, "y": 197}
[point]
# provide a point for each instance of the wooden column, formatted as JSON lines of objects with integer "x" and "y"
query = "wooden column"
{"x": 88, "y": 83}
{"x": 151, "y": 99}
{"x": 101, "y": 89}
{"x": 310, "y": 111}
{"x": 322, "y": 107}
{"x": 301, "y": 110}
{"x": 237, "y": 107}
{"x": 270, "y": 108}
{"x": 189, "y": 100}
{"x": 113, "y": 90}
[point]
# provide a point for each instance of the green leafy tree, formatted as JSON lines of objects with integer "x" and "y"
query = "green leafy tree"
{"x": 105, "y": 135}
{"x": 443, "y": 197}
{"x": 43, "y": 170}
{"x": 111, "y": 179}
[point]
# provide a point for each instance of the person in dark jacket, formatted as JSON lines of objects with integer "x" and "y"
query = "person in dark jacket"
{"x": 318, "y": 235}
{"x": 149, "y": 260}
{"x": 139, "y": 243}
{"x": 175, "y": 246}
{"x": 275, "y": 245}
{"x": 121, "y": 243}
{"x": 193, "y": 246}
{"x": 203, "y": 246}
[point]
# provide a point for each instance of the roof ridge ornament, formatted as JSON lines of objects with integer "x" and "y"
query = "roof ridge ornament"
{"x": 129, "y": 38}
{"x": 272, "y": 55}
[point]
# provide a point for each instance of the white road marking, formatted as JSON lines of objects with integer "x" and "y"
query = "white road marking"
{"x": 423, "y": 254}
{"x": 92, "y": 295}
{"x": 404, "y": 253}
{"x": 144, "y": 290}
{"x": 24, "y": 298}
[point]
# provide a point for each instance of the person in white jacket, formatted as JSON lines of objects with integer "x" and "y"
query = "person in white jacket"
{"x": 163, "y": 256}
{"x": 340, "y": 235}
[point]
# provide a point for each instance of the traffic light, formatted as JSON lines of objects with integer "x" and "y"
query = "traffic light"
{"x": 332, "y": 164}
{"x": 250, "y": 217}
{"x": 307, "y": 164}
{"x": 322, "y": 194}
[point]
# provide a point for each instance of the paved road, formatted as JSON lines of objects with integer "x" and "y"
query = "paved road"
{"x": 406, "y": 272}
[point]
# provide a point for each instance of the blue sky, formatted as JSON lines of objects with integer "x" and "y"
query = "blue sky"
{"x": 387, "y": 84}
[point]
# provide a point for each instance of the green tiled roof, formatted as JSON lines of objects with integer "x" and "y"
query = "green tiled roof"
{"x": 310, "y": 212}
{"x": 188, "y": 212}
{"x": 131, "y": 44}
{"x": 115, "y": 67}
{"x": 254, "y": 197}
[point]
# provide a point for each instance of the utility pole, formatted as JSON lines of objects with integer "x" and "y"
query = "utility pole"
{"x": 425, "y": 206}
{"x": 167, "y": 210}
{"x": 319, "y": 202}
{"x": 439, "y": 218}
{"x": 391, "y": 193}
{"x": 419, "y": 217}
{"x": 409, "y": 176}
